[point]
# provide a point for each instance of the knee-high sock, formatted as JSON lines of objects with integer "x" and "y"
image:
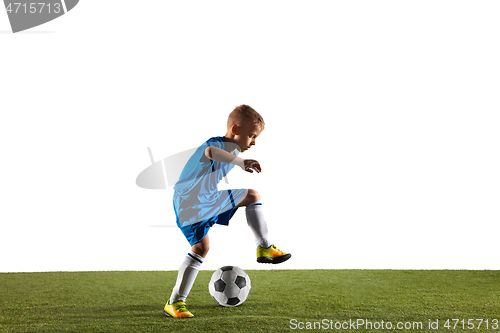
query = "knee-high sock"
{"x": 256, "y": 222}
{"x": 186, "y": 276}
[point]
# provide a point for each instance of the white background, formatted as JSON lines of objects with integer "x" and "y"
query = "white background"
{"x": 381, "y": 147}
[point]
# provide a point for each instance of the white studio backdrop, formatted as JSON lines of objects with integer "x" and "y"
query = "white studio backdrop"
{"x": 380, "y": 148}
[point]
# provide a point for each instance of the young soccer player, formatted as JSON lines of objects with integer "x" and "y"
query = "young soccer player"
{"x": 198, "y": 204}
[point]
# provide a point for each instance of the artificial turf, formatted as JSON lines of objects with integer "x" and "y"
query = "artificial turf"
{"x": 280, "y": 300}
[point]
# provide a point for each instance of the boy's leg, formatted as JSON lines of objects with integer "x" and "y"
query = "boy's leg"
{"x": 266, "y": 252}
{"x": 255, "y": 217}
{"x": 185, "y": 278}
{"x": 189, "y": 270}
{"x": 201, "y": 248}
{"x": 251, "y": 196}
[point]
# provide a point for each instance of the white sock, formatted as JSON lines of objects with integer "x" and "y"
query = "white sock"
{"x": 186, "y": 276}
{"x": 256, "y": 222}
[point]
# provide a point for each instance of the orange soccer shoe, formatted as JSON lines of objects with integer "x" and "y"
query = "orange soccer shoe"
{"x": 271, "y": 255}
{"x": 177, "y": 310}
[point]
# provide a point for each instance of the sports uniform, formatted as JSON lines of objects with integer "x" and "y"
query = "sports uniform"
{"x": 198, "y": 204}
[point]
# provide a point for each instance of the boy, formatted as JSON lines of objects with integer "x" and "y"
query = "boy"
{"x": 199, "y": 205}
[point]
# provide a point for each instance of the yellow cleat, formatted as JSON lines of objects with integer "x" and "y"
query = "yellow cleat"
{"x": 271, "y": 255}
{"x": 177, "y": 310}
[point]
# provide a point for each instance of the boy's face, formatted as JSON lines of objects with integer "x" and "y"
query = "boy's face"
{"x": 245, "y": 135}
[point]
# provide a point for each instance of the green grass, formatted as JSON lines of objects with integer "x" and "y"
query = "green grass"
{"x": 133, "y": 301}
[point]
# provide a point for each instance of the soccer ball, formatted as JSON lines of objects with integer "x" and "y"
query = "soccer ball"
{"x": 229, "y": 286}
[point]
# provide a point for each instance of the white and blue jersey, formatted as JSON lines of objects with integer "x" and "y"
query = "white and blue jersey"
{"x": 198, "y": 203}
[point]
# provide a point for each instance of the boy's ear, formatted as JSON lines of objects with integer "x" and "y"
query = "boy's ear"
{"x": 234, "y": 129}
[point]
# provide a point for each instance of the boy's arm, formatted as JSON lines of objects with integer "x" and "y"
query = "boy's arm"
{"x": 221, "y": 155}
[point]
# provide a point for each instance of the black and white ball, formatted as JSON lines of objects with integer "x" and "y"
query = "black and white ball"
{"x": 229, "y": 286}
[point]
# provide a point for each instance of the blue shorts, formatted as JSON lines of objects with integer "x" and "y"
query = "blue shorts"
{"x": 195, "y": 232}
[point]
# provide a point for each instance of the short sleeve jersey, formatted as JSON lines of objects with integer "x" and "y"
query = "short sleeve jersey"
{"x": 201, "y": 175}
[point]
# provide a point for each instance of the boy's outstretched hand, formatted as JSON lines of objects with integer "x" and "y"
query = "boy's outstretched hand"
{"x": 252, "y": 164}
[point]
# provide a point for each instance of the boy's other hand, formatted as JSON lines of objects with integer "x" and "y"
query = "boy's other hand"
{"x": 252, "y": 164}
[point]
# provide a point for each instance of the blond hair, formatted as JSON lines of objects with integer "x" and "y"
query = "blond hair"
{"x": 244, "y": 114}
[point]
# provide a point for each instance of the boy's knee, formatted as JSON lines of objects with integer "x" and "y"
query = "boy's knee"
{"x": 201, "y": 249}
{"x": 201, "y": 252}
{"x": 253, "y": 196}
